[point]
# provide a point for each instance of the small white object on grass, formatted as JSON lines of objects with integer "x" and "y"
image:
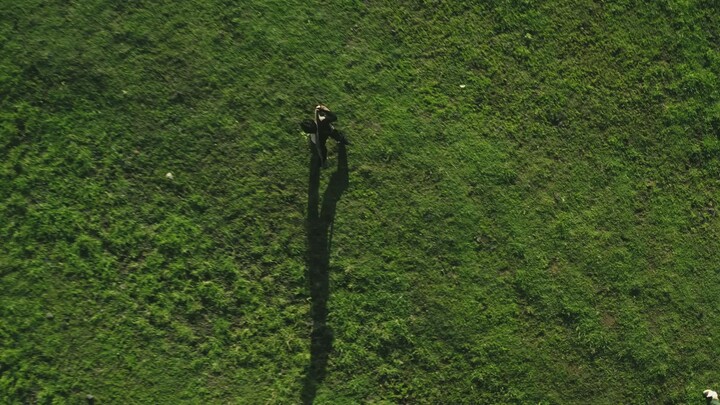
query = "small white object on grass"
{"x": 462, "y": 86}
{"x": 169, "y": 176}
{"x": 710, "y": 394}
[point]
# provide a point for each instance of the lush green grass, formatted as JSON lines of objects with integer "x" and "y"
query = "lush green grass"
{"x": 548, "y": 233}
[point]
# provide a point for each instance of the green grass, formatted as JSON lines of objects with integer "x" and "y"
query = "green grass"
{"x": 547, "y": 234}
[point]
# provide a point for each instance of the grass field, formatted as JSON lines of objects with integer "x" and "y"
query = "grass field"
{"x": 528, "y": 212}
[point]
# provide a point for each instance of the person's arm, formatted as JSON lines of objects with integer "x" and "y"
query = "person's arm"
{"x": 339, "y": 137}
{"x": 308, "y": 126}
{"x": 330, "y": 117}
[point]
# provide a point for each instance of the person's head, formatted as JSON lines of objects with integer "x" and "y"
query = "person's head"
{"x": 321, "y": 112}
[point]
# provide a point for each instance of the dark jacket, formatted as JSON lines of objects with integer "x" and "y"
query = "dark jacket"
{"x": 322, "y": 129}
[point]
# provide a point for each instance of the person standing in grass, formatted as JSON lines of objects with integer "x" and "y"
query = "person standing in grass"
{"x": 320, "y": 129}
{"x": 711, "y": 397}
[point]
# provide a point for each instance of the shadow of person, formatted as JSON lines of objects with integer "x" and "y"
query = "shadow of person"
{"x": 319, "y": 229}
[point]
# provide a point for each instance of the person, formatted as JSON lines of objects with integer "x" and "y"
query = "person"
{"x": 321, "y": 129}
{"x": 711, "y": 397}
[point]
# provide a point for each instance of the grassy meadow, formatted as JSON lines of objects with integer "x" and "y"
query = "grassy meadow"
{"x": 528, "y": 212}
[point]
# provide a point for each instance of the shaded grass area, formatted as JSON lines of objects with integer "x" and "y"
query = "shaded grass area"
{"x": 320, "y": 226}
{"x": 547, "y": 231}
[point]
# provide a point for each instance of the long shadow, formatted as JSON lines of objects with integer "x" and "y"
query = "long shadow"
{"x": 319, "y": 228}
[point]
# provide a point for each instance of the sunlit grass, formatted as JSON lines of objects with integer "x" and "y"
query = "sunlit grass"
{"x": 531, "y": 213}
